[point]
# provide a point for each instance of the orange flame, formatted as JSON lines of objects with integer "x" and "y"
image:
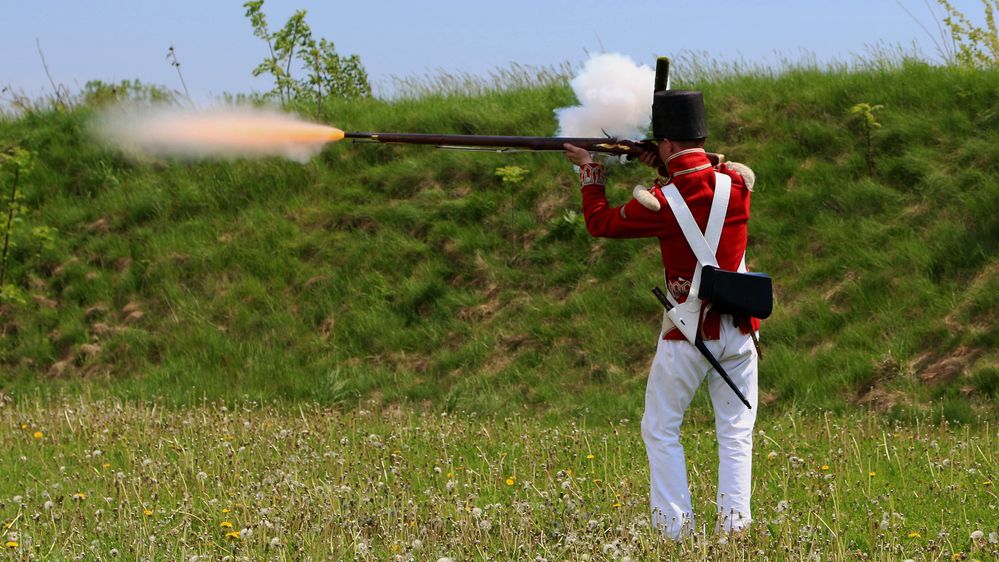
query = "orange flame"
{"x": 226, "y": 132}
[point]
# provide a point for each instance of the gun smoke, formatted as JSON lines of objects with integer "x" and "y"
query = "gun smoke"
{"x": 224, "y": 132}
{"x": 615, "y": 96}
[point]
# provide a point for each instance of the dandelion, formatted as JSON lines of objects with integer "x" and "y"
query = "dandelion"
{"x": 106, "y": 465}
{"x": 79, "y": 496}
{"x": 38, "y": 435}
{"x": 987, "y": 483}
{"x": 232, "y": 534}
{"x": 24, "y": 425}
{"x": 914, "y": 535}
{"x": 617, "y": 504}
{"x": 225, "y": 510}
{"x": 275, "y": 542}
{"x": 872, "y": 474}
{"x": 226, "y": 525}
{"x": 977, "y": 536}
{"x": 511, "y": 481}
{"x": 48, "y": 505}
{"x": 772, "y": 455}
{"x": 147, "y": 512}
{"x": 591, "y": 456}
{"x": 825, "y": 467}
{"x": 11, "y": 544}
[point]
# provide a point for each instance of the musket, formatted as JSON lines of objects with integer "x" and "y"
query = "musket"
{"x": 501, "y": 144}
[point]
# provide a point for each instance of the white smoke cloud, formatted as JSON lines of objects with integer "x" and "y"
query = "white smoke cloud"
{"x": 223, "y": 132}
{"x": 616, "y": 98}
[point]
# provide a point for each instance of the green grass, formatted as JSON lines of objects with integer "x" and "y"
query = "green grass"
{"x": 409, "y": 275}
{"x": 100, "y": 479}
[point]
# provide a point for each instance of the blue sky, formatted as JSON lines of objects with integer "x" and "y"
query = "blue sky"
{"x": 119, "y": 39}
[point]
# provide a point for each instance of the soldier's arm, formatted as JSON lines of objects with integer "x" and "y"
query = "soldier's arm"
{"x": 631, "y": 220}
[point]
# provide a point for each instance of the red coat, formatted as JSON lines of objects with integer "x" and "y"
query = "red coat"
{"x": 691, "y": 173}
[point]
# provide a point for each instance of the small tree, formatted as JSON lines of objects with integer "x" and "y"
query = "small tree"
{"x": 13, "y": 163}
{"x": 865, "y": 112}
{"x": 976, "y": 46}
{"x": 326, "y": 72}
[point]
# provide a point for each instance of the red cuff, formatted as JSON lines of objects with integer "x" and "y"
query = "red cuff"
{"x": 592, "y": 174}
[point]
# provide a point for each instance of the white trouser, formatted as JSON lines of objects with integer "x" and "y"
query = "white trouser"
{"x": 677, "y": 371}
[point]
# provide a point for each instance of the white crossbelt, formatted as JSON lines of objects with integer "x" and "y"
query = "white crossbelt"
{"x": 686, "y": 315}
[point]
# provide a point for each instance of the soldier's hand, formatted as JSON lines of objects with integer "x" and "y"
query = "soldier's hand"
{"x": 577, "y": 155}
{"x": 650, "y": 158}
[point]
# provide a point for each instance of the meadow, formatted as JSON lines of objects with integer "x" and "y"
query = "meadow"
{"x": 106, "y": 479}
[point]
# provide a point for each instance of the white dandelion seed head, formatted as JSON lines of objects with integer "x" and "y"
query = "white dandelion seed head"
{"x": 476, "y": 512}
{"x": 48, "y": 505}
{"x": 485, "y": 524}
{"x": 977, "y": 535}
{"x": 417, "y": 544}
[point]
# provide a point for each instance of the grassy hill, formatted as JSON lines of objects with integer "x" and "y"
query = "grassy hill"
{"x": 411, "y": 274}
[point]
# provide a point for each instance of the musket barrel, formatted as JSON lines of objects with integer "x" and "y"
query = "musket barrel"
{"x": 613, "y": 146}
{"x": 592, "y": 144}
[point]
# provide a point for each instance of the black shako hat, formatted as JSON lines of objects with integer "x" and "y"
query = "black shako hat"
{"x": 679, "y": 115}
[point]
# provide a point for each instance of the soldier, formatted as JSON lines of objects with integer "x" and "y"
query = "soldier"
{"x": 679, "y": 126}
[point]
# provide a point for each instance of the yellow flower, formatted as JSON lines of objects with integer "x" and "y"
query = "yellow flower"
{"x": 450, "y": 475}
{"x": 914, "y": 535}
{"x": 825, "y": 467}
{"x": 225, "y": 510}
{"x": 147, "y": 512}
{"x": 510, "y": 481}
{"x": 987, "y": 483}
{"x": 24, "y": 425}
{"x": 79, "y": 496}
{"x": 106, "y": 465}
{"x": 957, "y": 556}
{"x": 38, "y": 435}
{"x": 597, "y": 480}
{"x": 591, "y": 456}
{"x": 872, "y": 474}
{"x": 233, "y": 534}
{"x": 11, "y": 544}
{"x": 617, "y": 504}
{"x": 226, "y": 524}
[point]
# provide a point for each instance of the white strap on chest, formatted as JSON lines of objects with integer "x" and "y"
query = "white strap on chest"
{"x": 686, "y": 316}
{"x": 704, "y": 245}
